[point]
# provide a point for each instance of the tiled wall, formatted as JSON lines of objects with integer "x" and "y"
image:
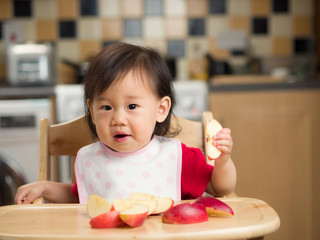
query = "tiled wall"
{"x": 185, "y": 29}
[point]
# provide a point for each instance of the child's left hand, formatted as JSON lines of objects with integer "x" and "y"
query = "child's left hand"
{"x": 223, "y": 141}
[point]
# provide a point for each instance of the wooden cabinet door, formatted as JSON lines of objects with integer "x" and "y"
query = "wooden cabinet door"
{"x": 273, "y": 134}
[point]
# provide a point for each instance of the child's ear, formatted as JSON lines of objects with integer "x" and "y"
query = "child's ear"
{"x": 89, "y": 104}
{"x": 163, "y": 109}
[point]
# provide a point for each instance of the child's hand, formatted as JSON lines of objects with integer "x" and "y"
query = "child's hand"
{"x": 223, "y": 141}
{"x": 26, "y": 194}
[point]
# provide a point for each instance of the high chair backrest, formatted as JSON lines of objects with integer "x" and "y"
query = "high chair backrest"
{"x": 65, "y": 139}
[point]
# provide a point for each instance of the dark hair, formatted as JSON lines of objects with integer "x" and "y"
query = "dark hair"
{"x": 114, "y": 62}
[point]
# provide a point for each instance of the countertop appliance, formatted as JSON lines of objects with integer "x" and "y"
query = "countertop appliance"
{"x": 19, "y": 132}
{"x": 30, "y": 64}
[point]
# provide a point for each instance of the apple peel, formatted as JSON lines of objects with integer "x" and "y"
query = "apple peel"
{"x": 215, "y": 207}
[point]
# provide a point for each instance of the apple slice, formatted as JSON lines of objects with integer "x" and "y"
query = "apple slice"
{"x": 213, "y": 126}
{"x": 139, "y": 195}
{"x": 97, "y": 205}
{"x": 185, "y": 213}
{"x": 121, "y": 204}
{"x": 107, "y": 220}
{"x": 215, "y": 207}
{"x": 163, "y": 205}
{"x": 135, "y": 215}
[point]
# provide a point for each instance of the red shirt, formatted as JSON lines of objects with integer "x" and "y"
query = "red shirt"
{"x": 195, "y": 173}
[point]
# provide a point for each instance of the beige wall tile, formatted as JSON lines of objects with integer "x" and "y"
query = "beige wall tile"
{"x": 112, "y": 29}
{"x": 282, "y": 46}
{"x": 302, "y": 26}
{"x": 68, "y": 9}
{"x": 260, "y": 46}
{"x": 109, "y": 8}
{"x": 299, "y": 7}
{"x": 89, "y": 28}
{"x": 176, "y": 27}
{"x": 260, "y": 7}
{"x": 5, "y": 9}
{"x": 88, "y": 49}
{"x": 216, "y": 24}
{"x": 131, "y": 8}
{"x": 68, "y": 49}
{"x": 238, "y": 7}
{"x": 153, "y": 27}
{"x": 158, "y": 44}
{"x": 281, "y": 25}
{"x": 197, "y": 8}
{"x": 46, "y": 30}
{"x": 175, "y": 7}
{"x": 28, "y": 27}
{"x": 240, "y": 23}
{"x": 45, "y": 9}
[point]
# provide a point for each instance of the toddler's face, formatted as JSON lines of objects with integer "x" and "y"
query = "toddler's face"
{"x": 126, "y": 113}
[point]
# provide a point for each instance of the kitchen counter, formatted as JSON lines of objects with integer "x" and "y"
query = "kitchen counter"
{"x": 26, "y": 92}
{"x": 257, "y": 83}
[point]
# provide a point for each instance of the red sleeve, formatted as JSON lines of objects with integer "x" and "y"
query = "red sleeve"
{"x": 195, "y": 174}
{"x": 75, "y": 190}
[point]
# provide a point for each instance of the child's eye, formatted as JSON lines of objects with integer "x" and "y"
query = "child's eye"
{"x": 132, "y": 106}
{"x": 106, "y": 107}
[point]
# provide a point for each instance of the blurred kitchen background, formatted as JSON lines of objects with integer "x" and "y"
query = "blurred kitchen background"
{"x": 253, "y": 63}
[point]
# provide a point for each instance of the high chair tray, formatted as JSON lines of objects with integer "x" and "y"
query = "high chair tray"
{"x": 253, "y": 218}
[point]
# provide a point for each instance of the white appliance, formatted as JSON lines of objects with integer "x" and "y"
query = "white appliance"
{"x": 19, "y": 132}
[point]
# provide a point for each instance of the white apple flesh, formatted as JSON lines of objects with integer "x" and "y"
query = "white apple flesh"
{"x": 215, "y": 207}
{"x": 212, "y": 128}
{"x": 97, "y": 205}
{"x": 185, "y": 213}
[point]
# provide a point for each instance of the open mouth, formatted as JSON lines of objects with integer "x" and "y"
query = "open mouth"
{"x": 121, "y": 137}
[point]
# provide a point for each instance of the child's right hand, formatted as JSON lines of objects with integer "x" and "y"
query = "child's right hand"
{"x": 26, "y": 194}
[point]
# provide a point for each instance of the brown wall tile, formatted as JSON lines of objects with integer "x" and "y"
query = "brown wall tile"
{"x": 46, "y": 30}
{"x": 89, "y": 49}
{"x": 68, "y": 9}
{"x": 112, "y": 29}
{"x": 240, "y": 23}
{"x": 302, "y": 26}
{"x": 197, "y": 8}
{"x": 5, "y": 9}
{"x": 131, "y": 8}
{"x": 260, "y": 7}
{"x": 282, "y": 46}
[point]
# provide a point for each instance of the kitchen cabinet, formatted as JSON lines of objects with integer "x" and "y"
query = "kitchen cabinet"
{"x": 276, "y": 135}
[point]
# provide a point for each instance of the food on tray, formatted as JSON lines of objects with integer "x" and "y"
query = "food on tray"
{"x": 215, "y": 207}
{"x": 185, "y": 213}
{"x": 125, "y": 212}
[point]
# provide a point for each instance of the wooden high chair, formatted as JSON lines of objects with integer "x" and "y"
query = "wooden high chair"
{"x": 65, "y": 139}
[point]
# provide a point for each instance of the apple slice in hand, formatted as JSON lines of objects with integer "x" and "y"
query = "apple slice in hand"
{"x": 135, "y": 215}
{"x": 185, "y": 213}
{"x": 212, "y": 128}
{"x": 107, "y": 220}
{"x": 97, "y": 205}
{"x": 215, "y": 207}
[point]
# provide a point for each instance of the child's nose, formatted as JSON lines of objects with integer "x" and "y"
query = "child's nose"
{"x": 118, "y": 118}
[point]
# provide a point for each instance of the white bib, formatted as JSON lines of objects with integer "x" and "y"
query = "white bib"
{"x": 154, "y": 169}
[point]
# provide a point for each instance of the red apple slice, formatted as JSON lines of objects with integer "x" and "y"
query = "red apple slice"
{"x": 185, "y": 213}
{"x": 135, "y": 215}
{"x": 212, "y": 128}
{"x": 215, "y": 207}
{"x": 163, "y": 205}
{"x": 97, "y": 205}
{"x": 107, "y": 220}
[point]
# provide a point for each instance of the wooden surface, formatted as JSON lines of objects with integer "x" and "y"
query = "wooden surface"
{"x": 253, "y": 218}
{"x": 276, "y": 136}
